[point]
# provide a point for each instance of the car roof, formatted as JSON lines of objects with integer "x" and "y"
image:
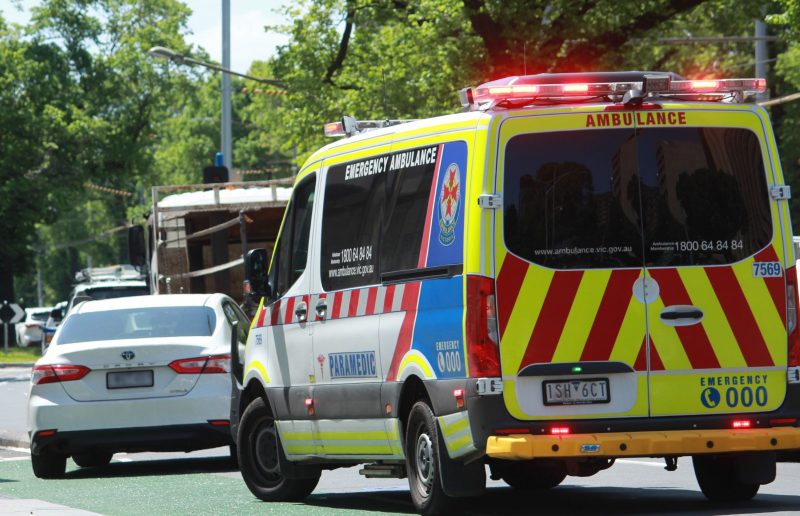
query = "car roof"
{"x": 148, "y": 301}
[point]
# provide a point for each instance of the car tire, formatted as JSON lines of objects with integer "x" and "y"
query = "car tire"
{"x": 532, "y": 475}
{"x": 422, "y": 462}
{"x": 259, "y": 461}
{"x": 718, "y": 480}
{"x": 48, "y": 465}
{"x": 92, "y": 459}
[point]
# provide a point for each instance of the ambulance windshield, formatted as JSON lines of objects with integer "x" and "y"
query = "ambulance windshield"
{"x": 613, "y": 198}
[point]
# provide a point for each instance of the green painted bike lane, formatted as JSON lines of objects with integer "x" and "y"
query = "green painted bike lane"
{"x": 183, "y": 486}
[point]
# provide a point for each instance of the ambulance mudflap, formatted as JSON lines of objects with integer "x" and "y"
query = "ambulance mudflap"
{"x": 640, "y": 265}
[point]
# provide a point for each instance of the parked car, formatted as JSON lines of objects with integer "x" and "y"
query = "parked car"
{"x": 143, "y": 373}
{"x": 30, "y": 331}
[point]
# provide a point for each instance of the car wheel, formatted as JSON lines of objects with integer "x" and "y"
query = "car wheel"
{"x": 422, "y": 462}
{"x": 259, "y": 449}
{"x": 718, "y": 480}
{"x": 92, "y": 459}
{"x": 531, "y": 475}
{"x": 48, "y": 465}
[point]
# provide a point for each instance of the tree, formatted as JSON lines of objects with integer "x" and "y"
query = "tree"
{"x": 83, "y": 109}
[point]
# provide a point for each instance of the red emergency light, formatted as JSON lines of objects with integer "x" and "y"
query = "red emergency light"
{"x": 652, "y": 85}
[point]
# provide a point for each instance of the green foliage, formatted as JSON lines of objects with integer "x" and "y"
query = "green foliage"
{"x": 82, "y": 102}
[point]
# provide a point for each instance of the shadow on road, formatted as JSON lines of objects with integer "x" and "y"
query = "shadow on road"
{"x": 567, "y": 500}
{"x": 144, "y": 468}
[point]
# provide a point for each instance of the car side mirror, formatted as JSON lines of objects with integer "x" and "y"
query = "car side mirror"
{"x": 137, "y": 252}
{"x": 255, "y": 273}
{"x": 55, "y": 313}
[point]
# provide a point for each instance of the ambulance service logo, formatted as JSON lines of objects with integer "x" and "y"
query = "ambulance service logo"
{"x": 449, "y": 201}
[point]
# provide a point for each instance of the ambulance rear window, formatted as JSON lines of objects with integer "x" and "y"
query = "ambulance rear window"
{"x": 615, "y": 198}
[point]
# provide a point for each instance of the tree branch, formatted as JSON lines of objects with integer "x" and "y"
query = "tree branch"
{"x": 338, "y": 61}
{"x": 595, "y": 47}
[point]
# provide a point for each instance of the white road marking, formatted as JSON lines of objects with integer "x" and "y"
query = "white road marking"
{"x": 12, "y": 448}
{"x": 122, "y": 459}
{"x": 642, "y": 463}
{"x": 13, "y": 459}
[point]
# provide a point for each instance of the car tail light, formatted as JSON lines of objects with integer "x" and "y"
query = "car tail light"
{"x": 559, "y": 430}
{"x": 32, "y": 325}
{"x": 482, "y": 336}
{"x": 43, "y": 374}
{"x": 741, "y": 423}
{"x": 791, "y": 317}
{"x": 202, "y": 365}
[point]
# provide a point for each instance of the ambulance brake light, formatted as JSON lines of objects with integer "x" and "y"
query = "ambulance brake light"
{"x": 559, "y": 430}
{"x": 742, "y": 423}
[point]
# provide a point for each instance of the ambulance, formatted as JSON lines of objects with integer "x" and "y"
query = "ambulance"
{"x": 574, "y": 269}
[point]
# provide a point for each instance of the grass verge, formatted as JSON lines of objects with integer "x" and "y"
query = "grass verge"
{"x": 17, "y": 355}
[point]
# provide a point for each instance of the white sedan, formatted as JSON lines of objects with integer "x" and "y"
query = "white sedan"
{"x": 145, "y": 373}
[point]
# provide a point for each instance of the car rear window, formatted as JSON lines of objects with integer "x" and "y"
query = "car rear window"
{"x": 138, "y": 323}
{"x": 40, "y": 316}
{"x": 618, "y": 198}
{"x": 115, "y": 292}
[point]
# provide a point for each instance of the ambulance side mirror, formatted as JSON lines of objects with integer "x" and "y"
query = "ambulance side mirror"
{"x": 256, "y": 273}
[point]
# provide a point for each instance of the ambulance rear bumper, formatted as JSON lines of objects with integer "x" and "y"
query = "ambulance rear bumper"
{"x": 642, "y": 444}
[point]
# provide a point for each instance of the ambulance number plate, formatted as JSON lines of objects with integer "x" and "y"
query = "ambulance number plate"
{"x": 576, "y": 392}
{"x": 128, "y": 379}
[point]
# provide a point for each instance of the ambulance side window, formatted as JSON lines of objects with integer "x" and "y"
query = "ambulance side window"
{"x": 291, "y": 253}
{"x": 351, "y": 225}
{"x": 408, "y": 191}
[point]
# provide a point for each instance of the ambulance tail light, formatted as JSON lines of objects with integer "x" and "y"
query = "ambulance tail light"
{"x": 483, "y": 352}
{"x": 560, "y": 430}
{"x": 791, "y": 317}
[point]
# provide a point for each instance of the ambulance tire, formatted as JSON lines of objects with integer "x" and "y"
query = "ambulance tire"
{"x": 717, "y": 477}
{"x": 259, "y": 461}
{"x": 92, "y": 459}
{"x": 48, "y": 465}
{"x": 526, "y": 475}
{"x": 422, "y": 462}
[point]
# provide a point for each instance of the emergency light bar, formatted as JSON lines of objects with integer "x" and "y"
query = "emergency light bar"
{"x": 651, "y": 85}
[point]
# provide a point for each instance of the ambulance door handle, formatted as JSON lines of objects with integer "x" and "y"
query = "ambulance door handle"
{"x": 301, "y": 311}
{"x": 322, "y": 309}
{"x": 681, "y": 315}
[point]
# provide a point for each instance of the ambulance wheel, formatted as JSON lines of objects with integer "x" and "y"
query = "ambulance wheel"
{"x": 422, "y": 462}
{"x": 259, "y": 462}
{"x": 48, "y": 465}
{"x": 92, "y": 459}
{"x": 532, "y": 475}
{"x": 718, "y": 480}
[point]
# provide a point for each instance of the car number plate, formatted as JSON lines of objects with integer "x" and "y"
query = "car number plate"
{"x": 576, "y": 392}
{"x": 127, "y": 379}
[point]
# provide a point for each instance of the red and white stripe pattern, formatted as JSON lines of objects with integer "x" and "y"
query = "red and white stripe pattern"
{"x": 340, "y": 305}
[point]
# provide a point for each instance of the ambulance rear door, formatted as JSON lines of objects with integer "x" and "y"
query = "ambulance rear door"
{"x": 568, "y": 261}
{"x": 715, "y": 260}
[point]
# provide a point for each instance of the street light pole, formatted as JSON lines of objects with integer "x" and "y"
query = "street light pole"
{"x": 227, "y": 136}
{"x": 226, "y": 120}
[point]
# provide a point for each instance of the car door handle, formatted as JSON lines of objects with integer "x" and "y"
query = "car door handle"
{"x": 301, "y": 311}
{"x": 681, "y": 315}
{"x": 322, "y": 310}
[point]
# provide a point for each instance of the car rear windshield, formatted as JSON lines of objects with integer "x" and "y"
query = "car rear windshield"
{"x": 115, "y": 292}
{"x": 40, "y": 316}
{"x": 138, "y": 323}
{"x": 626, "y": 198}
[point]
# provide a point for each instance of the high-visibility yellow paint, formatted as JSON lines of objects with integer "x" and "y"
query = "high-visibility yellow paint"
{"x": 642, "y": 444}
